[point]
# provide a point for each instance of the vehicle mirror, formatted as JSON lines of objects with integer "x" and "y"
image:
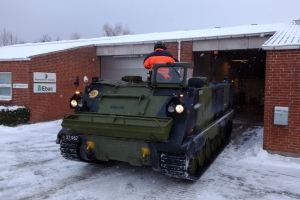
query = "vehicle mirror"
{"x": 76, "y": 83}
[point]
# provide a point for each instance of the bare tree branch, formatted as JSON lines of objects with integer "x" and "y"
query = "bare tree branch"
{"x": 127, "y": 31}
{"x": 75, "y": 36}
{"x": 107, "y": 29}
{"x": 45, "y": 38}
{"x": 118, "y": 29}
{"x": 7, "y": 38}
{"x": 115, "y": 31}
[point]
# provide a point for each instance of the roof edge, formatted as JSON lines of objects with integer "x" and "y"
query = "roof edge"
{"x": 284, "y": 47}
{"x": 61, "y": 50}
{"x": 258, "y": 34}
{"x": 14, "y": 59}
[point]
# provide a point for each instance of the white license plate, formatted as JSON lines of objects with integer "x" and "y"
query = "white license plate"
{"x": 72, "y": 138}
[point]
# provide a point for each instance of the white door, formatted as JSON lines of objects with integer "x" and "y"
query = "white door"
{"x": 115, "y": 67}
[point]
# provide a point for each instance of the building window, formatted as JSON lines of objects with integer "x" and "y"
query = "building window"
{"x": 5, "y": 86}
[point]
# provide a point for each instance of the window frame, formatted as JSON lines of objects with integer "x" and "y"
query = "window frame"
{"x": 4, "y": 97}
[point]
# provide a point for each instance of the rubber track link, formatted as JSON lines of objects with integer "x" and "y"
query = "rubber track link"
{"x": 176, "y": 166}
{"x": 71, "y": 151}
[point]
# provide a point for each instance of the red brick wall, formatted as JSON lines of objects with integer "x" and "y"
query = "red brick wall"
{"x": 20, "y": 72}
{"x": 282, "y": 88}
{"x": 186, "y": 52}
{"x": 67, "y": 65}
{"x": 172, "y": 47}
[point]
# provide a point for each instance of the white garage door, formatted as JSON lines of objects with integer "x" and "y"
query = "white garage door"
{"x": 114, "y": 67}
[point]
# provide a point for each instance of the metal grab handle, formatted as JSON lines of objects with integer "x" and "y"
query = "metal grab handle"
{"x": 167, "y": 120}
{"x": 124, "y": 96}
{"x": 138, "y": 119}
{"x": 140, "y": 97}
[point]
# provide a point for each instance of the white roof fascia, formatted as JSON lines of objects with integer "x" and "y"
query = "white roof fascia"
{"x": 192, "y": 39}
{"x": 224, "y": 37}
{"x": 285, "y": 47}
{"x": 15, "y": 59}
{"x": 57, "y": 51}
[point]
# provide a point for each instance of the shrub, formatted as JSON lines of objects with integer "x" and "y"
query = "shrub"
{"x": 14, "y": 117}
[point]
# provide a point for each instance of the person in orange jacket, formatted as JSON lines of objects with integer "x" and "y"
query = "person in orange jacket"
{"x": 160, "y": 55}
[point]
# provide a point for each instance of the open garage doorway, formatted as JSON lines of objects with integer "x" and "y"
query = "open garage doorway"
{"x": 246, "y": 69}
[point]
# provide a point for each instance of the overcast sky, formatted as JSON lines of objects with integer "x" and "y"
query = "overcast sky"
{"x": 30, "y": 19}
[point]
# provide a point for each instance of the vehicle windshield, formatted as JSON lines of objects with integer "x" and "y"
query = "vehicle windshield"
{"x": 170, "y": 74}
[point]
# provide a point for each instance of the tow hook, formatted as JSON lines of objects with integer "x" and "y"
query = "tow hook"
{"x": 90, "y": 145}
{"x": 57, "y": 141}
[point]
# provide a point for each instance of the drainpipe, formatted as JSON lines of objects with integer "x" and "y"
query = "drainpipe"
{"x": 179, "y": 48}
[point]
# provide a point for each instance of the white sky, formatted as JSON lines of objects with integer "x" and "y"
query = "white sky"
{"x": 31, "y": 167}
{"x": 31, "y": 19}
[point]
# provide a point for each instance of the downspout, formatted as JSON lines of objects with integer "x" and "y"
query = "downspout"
{"x": 179, "y": 49}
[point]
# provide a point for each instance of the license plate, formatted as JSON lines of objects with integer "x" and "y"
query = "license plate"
{"x": 74, "y": 138}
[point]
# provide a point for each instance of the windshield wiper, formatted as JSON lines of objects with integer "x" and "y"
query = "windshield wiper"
{"x": 176, "y": 72}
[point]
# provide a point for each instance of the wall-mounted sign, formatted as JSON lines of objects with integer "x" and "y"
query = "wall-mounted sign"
{"x": 44, "y": 77}
{"x": 20, "y": 85}
{"x": 44, "y": 87}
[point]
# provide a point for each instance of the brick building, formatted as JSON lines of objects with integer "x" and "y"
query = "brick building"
{"x": 282, "y": 88}
{"x": 259, "y": 66}
{"x": 66, "y": 65}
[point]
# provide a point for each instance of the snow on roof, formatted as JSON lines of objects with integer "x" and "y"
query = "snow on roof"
{"x": 10, "y": 108}
{"x": 288, "y": 37}
{"x": 25, "y": 51}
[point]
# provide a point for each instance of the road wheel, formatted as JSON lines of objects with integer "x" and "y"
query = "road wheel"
{"x": 219, "y": 140}
{"x": 201, "y": 156}
{"x": 222, "y": 136}
{"x": 214, "y": 145}
{"x": 208, "y": 149}
{"x": 228, "y": 131}
{"x": 193, "y": 165}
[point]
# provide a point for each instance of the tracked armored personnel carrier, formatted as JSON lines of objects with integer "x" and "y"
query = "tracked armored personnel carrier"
{"x": 177, "y": 124}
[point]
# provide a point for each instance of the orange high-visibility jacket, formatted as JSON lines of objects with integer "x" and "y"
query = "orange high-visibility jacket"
{"x": 159, "y": 56}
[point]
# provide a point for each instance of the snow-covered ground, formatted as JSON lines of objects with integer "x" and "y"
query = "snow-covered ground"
{"x": 31, "y": 167}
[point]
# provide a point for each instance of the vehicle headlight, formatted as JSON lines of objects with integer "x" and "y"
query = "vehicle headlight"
{"x": 171, "y": 109}
{"x": 73, "y": 103}
{"x": 80, "y": 103}
{"x": 179, "y": 108}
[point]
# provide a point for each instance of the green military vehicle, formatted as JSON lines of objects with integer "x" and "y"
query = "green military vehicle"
{"x": 177, "y": 125}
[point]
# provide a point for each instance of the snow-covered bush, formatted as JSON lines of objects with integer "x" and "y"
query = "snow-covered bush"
{"x": 14, "y": 115}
